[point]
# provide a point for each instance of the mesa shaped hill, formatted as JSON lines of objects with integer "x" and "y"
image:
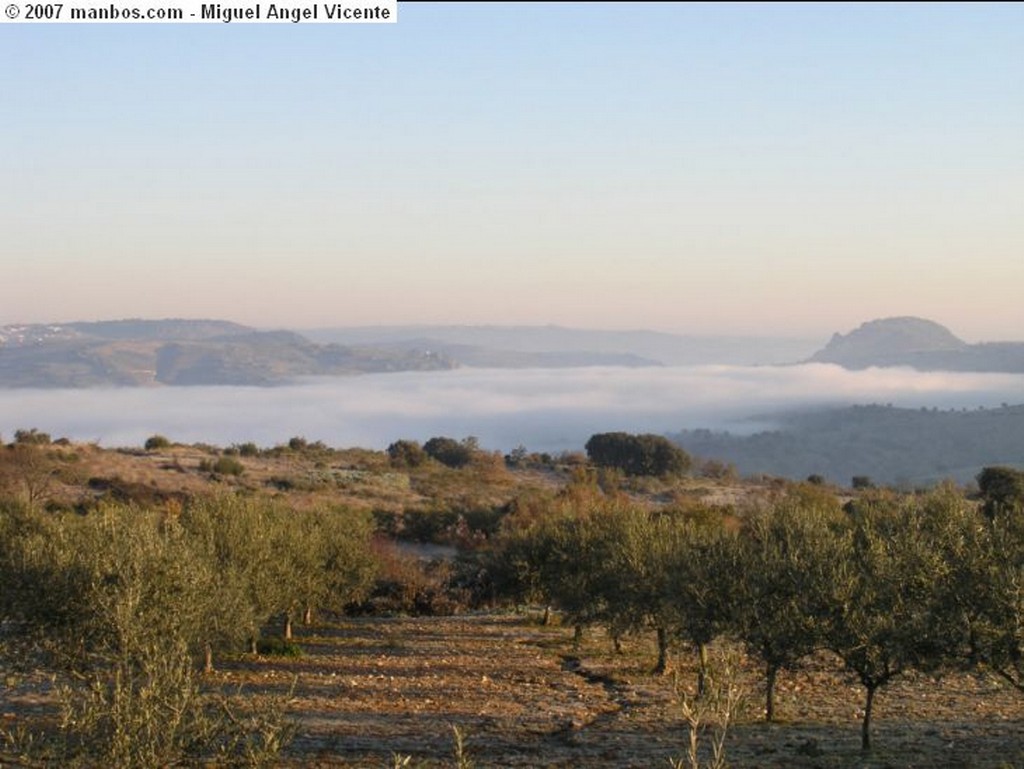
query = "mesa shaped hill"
{"x": 919, "y": 343}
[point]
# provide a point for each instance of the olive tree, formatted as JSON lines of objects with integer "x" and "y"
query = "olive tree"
{"x": 788, "y": 551}
{"x": 137, "y": 597}
{"x": 886, "y": 615}
{"x": 640, "y": 554}
{"x": 702, "y": 564}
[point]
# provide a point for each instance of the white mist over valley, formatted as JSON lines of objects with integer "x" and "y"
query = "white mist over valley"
{"x": 549, "y": 410}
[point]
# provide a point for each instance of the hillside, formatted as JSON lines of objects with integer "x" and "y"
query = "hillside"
{"x": 551, "y": 346}
{"x": 310, "y": 474}
{"x": 918, "y": 343}
{"x": 182, "y": 352}
{"x": 397, "y": 687}
{"x": 889, "y": 445}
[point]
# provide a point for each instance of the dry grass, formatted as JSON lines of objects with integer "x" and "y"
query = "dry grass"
{"x": 355, "y": 478}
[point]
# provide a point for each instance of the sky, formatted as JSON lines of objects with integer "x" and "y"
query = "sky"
{"x": 761, "y": 169}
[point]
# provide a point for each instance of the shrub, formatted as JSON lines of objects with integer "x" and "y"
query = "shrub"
{"x": 406, "y": 454}
{"x": 31, "y": 437}
{"x": 1002, "y": 489}
{"x": 228, "y": 466}
{"x": 156, "y": 443}
{"x": 637, "y": 454}
{"x": 449, "y": 451}
{"x": 223, "y": 466}
{"x": 276, "y": 646}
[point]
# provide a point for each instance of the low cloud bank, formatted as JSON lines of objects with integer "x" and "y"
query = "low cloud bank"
{"x": 542, "y": 409}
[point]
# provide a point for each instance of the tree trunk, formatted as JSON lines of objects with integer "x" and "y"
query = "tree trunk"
{"x": 546, "y": 620}
{"x": 577, "y": 636}
{"x": 207, "y": 657}
{"x": 865, "y": 728}
{"x": 307, "y": 617}
{"x": 287, "y": 626}
{"x": 252, "y": 645}
{"x": 702, "y": 669}
{"x": 661, "y": 666}
{"x": 617, "y": 643}
{"x": 769, "y": 705}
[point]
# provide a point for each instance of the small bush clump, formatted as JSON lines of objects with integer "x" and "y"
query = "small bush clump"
{"x": 275, "y": 646}
{"x": 31, "y": 437}
{"x": 156, "y": 443}
{"x": 222, "y": 466}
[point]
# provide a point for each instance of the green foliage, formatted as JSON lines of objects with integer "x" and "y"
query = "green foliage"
{"x": 518, "y": 457}
{"x": 123, "y": 598}
{"x": 222, "y": 466}
{"x": 1002, "y": 490}
{"x": 637, "y": 454}
{"x": 156, "y": 443}
{"x": 30, "y": 471}
{"x": 248, "y": 449}
{"x": 722, "y": 471}
{"x": 300, "y": 445}
{"x": 789, "y": 550}
{"x": 894, "y": 446}
{"x": 32, "y": 437}
{"x": 275, "y": 646}
{"x": 449, "y": 451}
{"x": 406, "y": 454}
{"x": 133, "y": 600}
{"x": 703, "y": 559}
{"x": 887, "y": 616}
{"x": 228, "y": 466}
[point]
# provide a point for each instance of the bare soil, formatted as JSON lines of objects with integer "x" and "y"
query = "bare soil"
{"x": 369, "y": 690}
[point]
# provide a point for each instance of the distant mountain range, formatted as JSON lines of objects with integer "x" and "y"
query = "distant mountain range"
{"x": 182, "y": 352}
{"x": 556, "y": 346}
{"x": 918, "y": 343}
{"x": 215, "y": 352}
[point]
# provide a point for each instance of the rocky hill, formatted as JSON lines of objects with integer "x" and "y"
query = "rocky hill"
{"x": 918, "y": 343}
{"x": 182, "y": 352}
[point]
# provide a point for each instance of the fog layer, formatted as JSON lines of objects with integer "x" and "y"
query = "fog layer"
{"x": 542, "y": 409}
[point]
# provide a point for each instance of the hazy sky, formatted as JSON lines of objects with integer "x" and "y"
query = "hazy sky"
{"x": 763, "y": 169}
